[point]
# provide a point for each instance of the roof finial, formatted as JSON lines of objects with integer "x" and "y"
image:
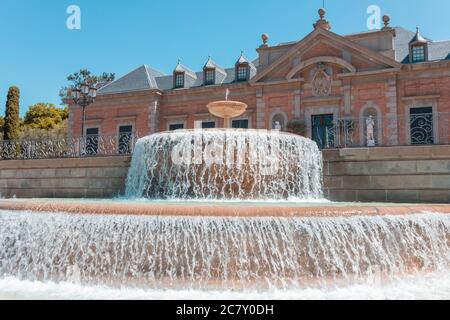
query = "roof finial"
{"x": 265, "y": 39}
{"x": 322, "y": 13}
{"x": 418, "y": 38}
{"x": 386, "y": 20}
{"x": 322, "y": 22}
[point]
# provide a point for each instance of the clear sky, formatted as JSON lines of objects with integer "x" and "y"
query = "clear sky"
{"x": 37, "y": 51}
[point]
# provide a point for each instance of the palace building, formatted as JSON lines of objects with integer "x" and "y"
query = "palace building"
{"x": 328, "y": 86}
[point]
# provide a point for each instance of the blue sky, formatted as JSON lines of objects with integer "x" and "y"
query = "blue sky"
{"x": 38, "y": 51}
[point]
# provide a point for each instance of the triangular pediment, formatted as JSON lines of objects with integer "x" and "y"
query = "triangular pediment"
{"x": 323, "y": 46}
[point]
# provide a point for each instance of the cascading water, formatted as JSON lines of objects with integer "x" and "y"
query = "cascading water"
{"x": 217, "y": 253}
{"x": 225, "y": 165}
{"x": 61, "y": 255}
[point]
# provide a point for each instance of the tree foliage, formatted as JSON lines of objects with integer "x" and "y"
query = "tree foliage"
{"x": 45, "y": 116}
{"x": 85, "y": 76}
{"x": 58, "y": 132}
{"x": 2, "y": 123}
{"x": 11, "y": 128}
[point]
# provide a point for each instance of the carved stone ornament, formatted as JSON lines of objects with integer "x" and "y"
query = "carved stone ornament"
{"x": 321, "y": 83}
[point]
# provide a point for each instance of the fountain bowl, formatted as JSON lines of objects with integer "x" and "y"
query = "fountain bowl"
{"x": 227, "y": 109}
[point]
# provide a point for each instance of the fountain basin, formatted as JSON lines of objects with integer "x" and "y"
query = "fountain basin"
{"x": 225, "y": 164}
{"x": 217, "y": 209}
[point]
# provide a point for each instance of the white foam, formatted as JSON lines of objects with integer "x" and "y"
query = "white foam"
{"x": 435, "y": 286}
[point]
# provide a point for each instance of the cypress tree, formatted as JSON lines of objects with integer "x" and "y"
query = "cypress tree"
{"x": 12, "y": 122}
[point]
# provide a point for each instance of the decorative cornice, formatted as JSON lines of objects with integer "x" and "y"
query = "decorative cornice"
{"x": 369, "y": 73}
{"x": 269, "y": 83}
{"x": 423, "y": 97}
{"x": 325, "y": 59}
{"x": 322, "y": 99}
{"x": 178, "y": 116}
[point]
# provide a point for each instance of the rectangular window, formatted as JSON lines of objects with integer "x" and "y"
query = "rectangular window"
{"x": 179, "y": 80}
{"x": 242, "y": 74}
{"x": 323, "y": 130}
{"x": 421, "y": 126}
{"x": 418, "y": 54}
{"x": 176, "y": 126}
{"x": 210, "y": 76}
{"x": 208, "y": 125}
{"x": 240, "y": 124}
{"x": 92, "y": 141}
{"x": 125, "y": 139}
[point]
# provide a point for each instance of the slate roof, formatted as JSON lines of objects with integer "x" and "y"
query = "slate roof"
{"x": 437, "y": 50}
{"x": 147, "y": 78}
{"x": 143, "y": 78}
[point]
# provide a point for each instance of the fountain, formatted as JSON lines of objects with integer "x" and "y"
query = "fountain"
{"x": 225, "y": 164}
{"x": 221, "y": 213}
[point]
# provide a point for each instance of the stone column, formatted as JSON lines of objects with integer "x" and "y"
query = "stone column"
{"x": 153, "y": 114}
{"x": 347, "y": 90}
{"x": 297, "y": 102}
{"x": 391, "y": 118}
{"x": 260, "y": 109}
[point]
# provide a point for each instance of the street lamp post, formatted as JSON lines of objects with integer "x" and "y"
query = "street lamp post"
{"x": 83, "y": 96}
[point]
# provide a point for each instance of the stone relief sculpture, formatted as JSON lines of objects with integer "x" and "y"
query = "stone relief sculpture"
{"x": 321, "y": 84}
{"x": 370, "y": 127}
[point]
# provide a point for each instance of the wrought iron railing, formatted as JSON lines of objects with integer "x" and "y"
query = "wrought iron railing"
{"x": 414, "y": 129}
{"x": 74, "y": 147}
{"x": 347, "y": 132}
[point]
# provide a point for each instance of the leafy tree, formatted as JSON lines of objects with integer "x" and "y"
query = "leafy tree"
{"x": 59, "y": 132}
{"x": 2, "y": 123}
{"x": 45, "y": 116}
{"x": 85, "y": 76}
{"x": 11, "y": 128}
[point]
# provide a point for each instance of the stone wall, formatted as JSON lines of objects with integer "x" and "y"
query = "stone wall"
{"x": 395, "y": 174}
{"x": 398, "y": 174}
{"x": 64, "y": 178}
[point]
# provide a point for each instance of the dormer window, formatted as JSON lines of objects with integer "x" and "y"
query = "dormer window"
{"x": 418, "y": 53}
{"x": 244, "y": 68}
{"x": 242, "y": 72}
{"x": 179, "y": 80}
{"x": 210, "y": 76}
{"x": 418, "y": 48}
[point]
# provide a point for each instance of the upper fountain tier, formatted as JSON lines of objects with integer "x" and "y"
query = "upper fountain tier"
{"x": 227, "y": 110}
